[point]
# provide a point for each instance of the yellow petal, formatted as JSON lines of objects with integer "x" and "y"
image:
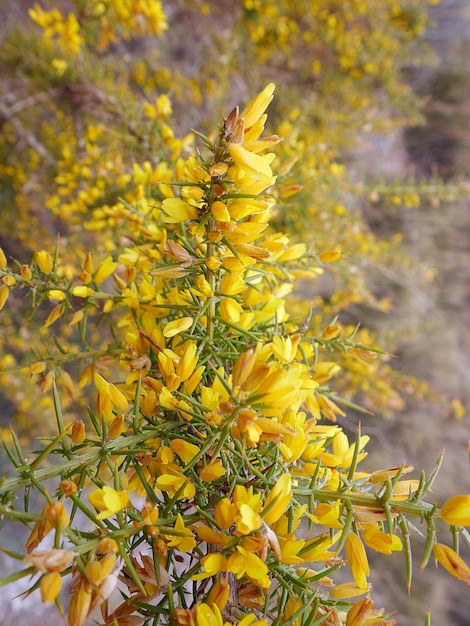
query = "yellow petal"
{"x": 253, "y": 163}
{"x": 456, "y": 511}
{"x": 177, "y": 326}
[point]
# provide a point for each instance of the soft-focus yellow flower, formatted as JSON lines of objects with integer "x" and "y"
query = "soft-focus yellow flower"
{"x": 4, "y": 293}
{"x": 456, "y": 510}
{"x": 44, "y": 261}
{"x": 109, "y": 501}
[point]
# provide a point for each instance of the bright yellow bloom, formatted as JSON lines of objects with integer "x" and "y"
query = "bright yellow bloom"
{"x": 104, "y": 270}
{"x": 357, "y": 560}
{"x": 177, "y": 211}
{"x": 244, "y": 563}
{"x": 44, "y": 261}
{"x": 278, "y": 499}
{"x": 109, "y": 501}
{"x": 285, "y": 348}
{"x": 225, "y": 513}
{"x": 327, "y": 514}
{"x": 212, "y": 564}
{"x": 185, "y": 450}
{"x": 379, "y": 541}
{"x": 208, "y": 615}
{"x": 108, "y": 395}
{"x": 183, "y": 539}
{"x": 230, "y": 310}
{"x": 177, "y": 326}
{"x": 456, "y": 510}
{"x": 3, "y": 260}
{"x": 212, "y": 471}
{"x": 247, "y": 519}
{"x": 178, "y": 484}
{"x": 255, "y": 109}
{"x": 255, "y": 164}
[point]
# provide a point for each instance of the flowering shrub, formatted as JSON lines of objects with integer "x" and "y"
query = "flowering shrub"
{"x": 210, "y": 481}
{"x": 212, "y": 490}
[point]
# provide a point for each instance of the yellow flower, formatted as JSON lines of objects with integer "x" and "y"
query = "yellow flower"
{"x": 247, "y": 519}
{"x": 245, "y": 563}
{"x": 50, "y": 585}
{"x": 327, "y": 514}
{"x": 456, "y": 510}
{"x": 185, "y": 450}
{"x": 380, "y": 541}
{"x": 230, "y": 310}
{"x": 108, "y": 395}
{"x": 254, "y": 164}
{"x": 219, "y": 594}
{"x": 225, "y": 513}
{"x": 109, "y": 501}
{"x": 347, "y": 590}
{"x": 4, "y": 293}
{"x": 208, "y": 615}
{"x": 3, "y": 260}
{"x": 357, "y": 559}
{"x": 285, "y": 348}
{"x": 278, "y": 499}
{"x": 104, "y": 270}
{"x": 183, "y": 538}
{"x": 212, "y": 471}
{"x": 255, "y": 109}
{"x": 177, "y": 326}
{"x": 178, "y": 211}
{"x": 213, "y": 564}
{"x": 79, "y": 606}
{"x": 44, "y": 261}
{"x": 178, "y": 484}
{"x": 452, "y": 562}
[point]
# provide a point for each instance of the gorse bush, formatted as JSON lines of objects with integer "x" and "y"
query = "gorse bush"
{"x": 196, "y": 474}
